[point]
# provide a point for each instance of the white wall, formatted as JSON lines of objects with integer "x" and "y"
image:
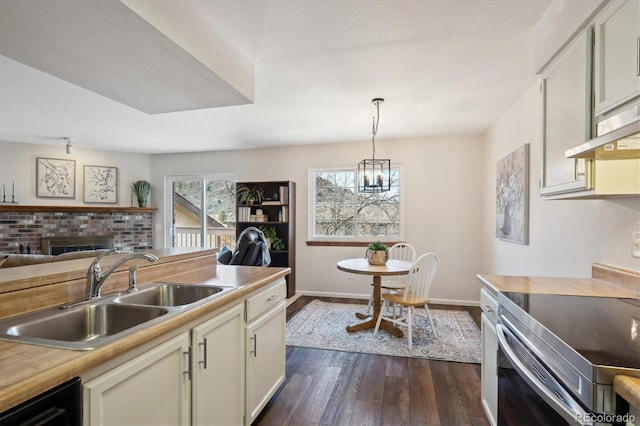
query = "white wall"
{"x": 18, "y": 164}
{"x": 565, "y": 236}
{"x": 442, "y": 189}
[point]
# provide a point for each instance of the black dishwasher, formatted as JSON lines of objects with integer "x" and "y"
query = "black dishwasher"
{"x": 60, "y": 406}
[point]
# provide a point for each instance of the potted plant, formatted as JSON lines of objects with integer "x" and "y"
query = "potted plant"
{"x": 250, "y": 195}
{"x": 141, "y": 188}
{"x": 273, "y": 241}
{"x": 377, "y": 253}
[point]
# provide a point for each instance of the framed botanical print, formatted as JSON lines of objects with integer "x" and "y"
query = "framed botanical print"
{"x": 100, "y": 184}
{"x": 55, "y": 178}
{"x": 512, "y": 196}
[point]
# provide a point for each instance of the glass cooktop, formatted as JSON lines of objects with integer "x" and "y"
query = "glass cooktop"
{"x": 605, "y": 331}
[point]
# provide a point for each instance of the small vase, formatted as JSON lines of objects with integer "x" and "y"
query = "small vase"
{"x": 377, "y": 257}
{"x": 142, "y": 202}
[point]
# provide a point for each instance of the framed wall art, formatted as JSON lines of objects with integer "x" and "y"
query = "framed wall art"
{"x": 512, "y": 196}
{"x": 55, "y": 178}
{"x": 100, "y": 184}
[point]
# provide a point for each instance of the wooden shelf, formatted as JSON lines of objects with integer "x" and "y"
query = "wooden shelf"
{"x": 286, "y": 230}
{"x": 18, "y": 208}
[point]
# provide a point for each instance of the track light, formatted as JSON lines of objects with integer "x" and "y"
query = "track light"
{"x": 69, "y": 145}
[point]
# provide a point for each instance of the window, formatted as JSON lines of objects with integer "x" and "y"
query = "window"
{"x": 201, "y": 211}
{"x": 339, "y": 211}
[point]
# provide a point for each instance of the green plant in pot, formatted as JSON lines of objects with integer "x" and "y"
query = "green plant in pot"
{"x": 250, "y": 194}
{"x": 141, "y": 188}
{"x": 377, "y": 253}
{"x": 270, "y": 234}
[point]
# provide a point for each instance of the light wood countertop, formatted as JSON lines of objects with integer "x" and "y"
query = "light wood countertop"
{"x": 27, "y": 370}
{"x": 628, "y": 388}
{"x": 552, "y": 285}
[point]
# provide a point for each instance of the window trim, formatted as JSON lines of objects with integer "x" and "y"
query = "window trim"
{"x": 168, "y": 200}
{"x": 348, "y": 241}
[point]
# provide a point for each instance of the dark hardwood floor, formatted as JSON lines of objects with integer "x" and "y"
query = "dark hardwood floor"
{"x": 326, "y": 387}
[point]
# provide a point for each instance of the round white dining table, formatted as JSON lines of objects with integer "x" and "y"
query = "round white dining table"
{"x": 362, "y": 267}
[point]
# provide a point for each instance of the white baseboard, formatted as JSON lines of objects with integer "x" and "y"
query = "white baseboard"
{"x": 366, "y": 297}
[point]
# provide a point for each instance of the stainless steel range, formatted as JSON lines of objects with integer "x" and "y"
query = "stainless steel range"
{"x": 569, "y": 348}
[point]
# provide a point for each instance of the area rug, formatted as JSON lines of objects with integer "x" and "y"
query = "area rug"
{"x": 322, "y": 325}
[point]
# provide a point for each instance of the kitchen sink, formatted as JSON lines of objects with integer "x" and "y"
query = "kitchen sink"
{"x": 172, "y": 295}
{"x": 81, "y": 327}
{"x": 94, "y": 323}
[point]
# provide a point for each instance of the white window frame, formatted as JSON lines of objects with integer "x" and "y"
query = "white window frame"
{"x": 168, "y": 199}
{"x": 312, "y": 210}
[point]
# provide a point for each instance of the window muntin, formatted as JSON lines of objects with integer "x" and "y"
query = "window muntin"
{"x": 340, "y": 212}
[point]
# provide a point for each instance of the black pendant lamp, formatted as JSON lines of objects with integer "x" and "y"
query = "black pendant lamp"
{"x": 374, "y": 175}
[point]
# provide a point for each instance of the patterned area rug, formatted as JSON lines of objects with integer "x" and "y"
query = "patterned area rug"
{"x": 322, "y": 325}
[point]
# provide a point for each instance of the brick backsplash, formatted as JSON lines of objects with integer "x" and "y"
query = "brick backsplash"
{"x": 130, "y": 231}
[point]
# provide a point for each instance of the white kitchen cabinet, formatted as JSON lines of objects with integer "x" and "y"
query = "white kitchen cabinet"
{"x": 218, "y": 369}
{"x": 151, "y": 389}
{"x": 617, "y": 55}
{"x": 489, "y": 371}
{"x": 567, "y": 113}
{"x": 265, "y": 347}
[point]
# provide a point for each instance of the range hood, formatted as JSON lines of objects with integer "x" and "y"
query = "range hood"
{"x": 622, "y": 127}
{"x": 613, "y": 157}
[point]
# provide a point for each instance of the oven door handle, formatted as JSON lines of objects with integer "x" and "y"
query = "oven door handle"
{"x": 572, "y": 412}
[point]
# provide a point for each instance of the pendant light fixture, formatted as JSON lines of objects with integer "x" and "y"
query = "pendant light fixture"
{"x": 374, "y": 175}
{"x": 69, "y": 145}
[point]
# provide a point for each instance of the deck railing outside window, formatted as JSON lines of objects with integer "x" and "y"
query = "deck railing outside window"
{"x": 216, "y": 237}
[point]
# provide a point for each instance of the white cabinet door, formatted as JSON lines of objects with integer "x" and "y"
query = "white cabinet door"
{"x": 489, "y": 371}
{"x": 218, "y": 378}
{"x": 151, "y": 389}
{"x": 566, "y": 93}
{"x": 265, "y": 359}
{"x": 617, "y": 55}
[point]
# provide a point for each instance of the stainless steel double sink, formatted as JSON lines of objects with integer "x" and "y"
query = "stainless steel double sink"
{"x": 94, "y": 323}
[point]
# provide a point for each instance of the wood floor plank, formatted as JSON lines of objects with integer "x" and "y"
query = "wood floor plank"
{"x": 291, "y": 394}
{"x": 467, "y": 377}
{"x": 423, "y": 404}
{"x": 343, "y": 399}
{"x": 372, "y": 388}
{"x": 366, "y": 413}
{"x": 395, "y": 409}
{"x": 312, "y": 407}
{"x": 396, "y": 366}
{"x": 450, "y": 406}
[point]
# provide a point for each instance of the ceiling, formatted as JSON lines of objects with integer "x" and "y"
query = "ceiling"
{"x": 444, "y": 67}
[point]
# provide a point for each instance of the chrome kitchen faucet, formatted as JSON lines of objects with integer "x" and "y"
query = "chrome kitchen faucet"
{"x": 96, "y": 278}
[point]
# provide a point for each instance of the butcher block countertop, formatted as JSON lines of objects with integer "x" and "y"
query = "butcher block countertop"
{"x": 550, "y": 285}
{"x": 628, "y": 388}
{"x": 605, "y": 281}
{"x": 27, "y": 370}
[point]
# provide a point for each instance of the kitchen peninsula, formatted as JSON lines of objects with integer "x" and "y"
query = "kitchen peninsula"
{"x": 27, "y": 370}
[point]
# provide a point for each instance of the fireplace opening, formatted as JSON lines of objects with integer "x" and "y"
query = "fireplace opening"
{"x": 59, "y": 245}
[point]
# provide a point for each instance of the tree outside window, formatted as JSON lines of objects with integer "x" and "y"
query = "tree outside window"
{"x": 340, "y": 211}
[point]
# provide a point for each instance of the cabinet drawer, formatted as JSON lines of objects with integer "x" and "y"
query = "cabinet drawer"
{"x": 263, "y": 301}
{"x": 489, "y": 305}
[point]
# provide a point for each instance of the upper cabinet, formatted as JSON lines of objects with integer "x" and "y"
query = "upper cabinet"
{"x": 566, "y": 97}
{"x": 616, "y": 55}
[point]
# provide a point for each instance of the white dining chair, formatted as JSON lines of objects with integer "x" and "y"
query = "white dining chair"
{"x": 399, "y": 251}
{"x": 415, "y": 294}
